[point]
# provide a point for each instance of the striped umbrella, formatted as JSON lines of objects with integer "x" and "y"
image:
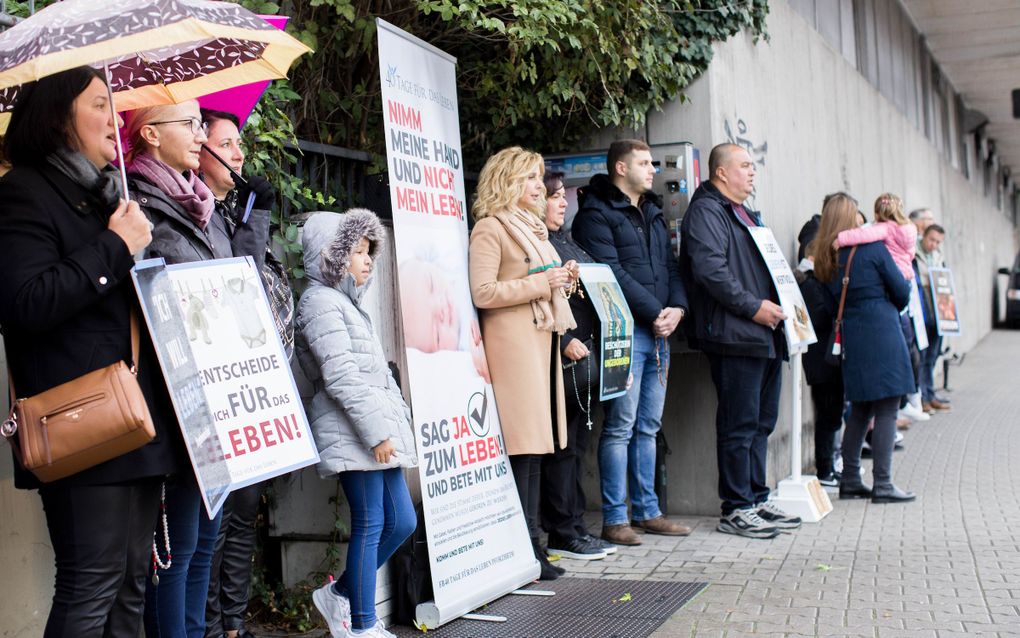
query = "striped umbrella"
{"x": 154, "y": 51}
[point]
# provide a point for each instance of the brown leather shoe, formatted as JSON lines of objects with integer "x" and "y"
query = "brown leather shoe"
{"x": 903, "y": 423}
{"x": 621, "y": 534}
{"x": 661, "y": 525}
{"x": 940, "y": 406}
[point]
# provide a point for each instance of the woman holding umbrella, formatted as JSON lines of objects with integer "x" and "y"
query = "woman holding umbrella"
{"x": 163, "y": 160}
{"x": 66, "y": 301}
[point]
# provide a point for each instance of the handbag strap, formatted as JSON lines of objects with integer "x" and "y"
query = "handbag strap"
{"x": 846, "y": 284}
{"x": 135, "y": 345}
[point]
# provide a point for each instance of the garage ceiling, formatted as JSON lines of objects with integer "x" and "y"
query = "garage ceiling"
{"x": 977, "y": 44}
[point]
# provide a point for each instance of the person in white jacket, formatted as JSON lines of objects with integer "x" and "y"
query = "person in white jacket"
{"x": 358, "y": 417}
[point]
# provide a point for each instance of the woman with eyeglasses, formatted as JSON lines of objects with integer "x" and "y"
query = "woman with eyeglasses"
{"x": 163, "y": 160}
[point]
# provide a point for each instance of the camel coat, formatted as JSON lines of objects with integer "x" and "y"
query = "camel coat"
{"x": 523, "y": 360}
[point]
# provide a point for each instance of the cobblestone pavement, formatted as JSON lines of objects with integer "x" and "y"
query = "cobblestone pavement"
{"x": 945, "y": 565}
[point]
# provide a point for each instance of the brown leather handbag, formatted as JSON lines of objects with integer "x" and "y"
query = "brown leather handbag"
{"x": 81, "y": 423}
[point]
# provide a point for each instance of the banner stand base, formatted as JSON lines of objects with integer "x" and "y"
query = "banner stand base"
{"x": 802, "y": 496}
{"x": 484, "y": 617}
{"x": 533, "y": 592}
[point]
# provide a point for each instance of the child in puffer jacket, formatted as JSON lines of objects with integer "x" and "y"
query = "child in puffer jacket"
{"x": 892, "y": 228}
{"x": 358, "y": 417}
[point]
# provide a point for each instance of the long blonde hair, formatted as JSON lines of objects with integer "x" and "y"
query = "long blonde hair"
{"x": 889, "y": 208}
{"x": 838, "y": 214}
{"x": 501, "y": 183}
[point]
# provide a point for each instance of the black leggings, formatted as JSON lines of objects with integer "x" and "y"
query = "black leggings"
{"x": 527, "y": 469}
{"x": 230, "y": 576}
{"x": 102, "y": 543}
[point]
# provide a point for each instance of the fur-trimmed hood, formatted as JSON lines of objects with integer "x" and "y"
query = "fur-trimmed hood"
{"x": 329, "y": 238}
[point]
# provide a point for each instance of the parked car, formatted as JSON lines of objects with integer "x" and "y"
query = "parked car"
{"x": 1009, "y": 312}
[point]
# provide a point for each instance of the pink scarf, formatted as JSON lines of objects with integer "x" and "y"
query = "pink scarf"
{"x": 190, "y": 192}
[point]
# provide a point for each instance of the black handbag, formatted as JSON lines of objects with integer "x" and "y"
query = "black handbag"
{"x": 834, "y": 351}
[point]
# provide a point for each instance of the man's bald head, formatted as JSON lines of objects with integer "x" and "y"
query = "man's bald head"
{"x": 720, "y": 155}
{"x": 731, "y": 171}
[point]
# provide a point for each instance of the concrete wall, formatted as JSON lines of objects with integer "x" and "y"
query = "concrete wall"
{"x": 26, "y": 556}
{"x": 814, "y": 126}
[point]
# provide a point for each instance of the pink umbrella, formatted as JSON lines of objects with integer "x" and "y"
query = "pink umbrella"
{"x": 241, "y": 100}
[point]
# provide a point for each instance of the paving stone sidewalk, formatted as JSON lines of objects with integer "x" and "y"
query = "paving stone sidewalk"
{"x": 946, "y": 565}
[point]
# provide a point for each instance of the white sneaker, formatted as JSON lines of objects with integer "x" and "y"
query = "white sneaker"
{"x": 378, "y": 631}
{"x": 913, "y": 413}
{"x": 336, "y": 609}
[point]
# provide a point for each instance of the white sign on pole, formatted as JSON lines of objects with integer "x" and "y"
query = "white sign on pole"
{"x": 800, "y": 495}
{"x": 227, "y": 371}
{"x": 799, "y": 331}
{"x": 917, "y": 316}
{"x": 479, "y": 546}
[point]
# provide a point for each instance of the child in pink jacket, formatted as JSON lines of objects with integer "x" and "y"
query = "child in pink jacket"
{"x": 892, "y": 228}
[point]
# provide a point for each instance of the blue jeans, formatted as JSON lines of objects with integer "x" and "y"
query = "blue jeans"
{"x": 627, "y": 444}
{"x": 382, "y": 517}
{"x": 176, "y": 607}
{"x": 747, "y": 389}
{"x": 928, "y": 360}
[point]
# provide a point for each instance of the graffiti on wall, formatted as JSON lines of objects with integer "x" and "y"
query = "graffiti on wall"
{"x": 741, "y": 136}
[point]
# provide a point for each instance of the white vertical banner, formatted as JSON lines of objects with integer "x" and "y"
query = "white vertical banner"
{"x": 479, "y": 547}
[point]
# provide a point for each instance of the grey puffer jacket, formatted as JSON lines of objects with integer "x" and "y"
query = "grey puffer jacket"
{"x": 357, "y": 404}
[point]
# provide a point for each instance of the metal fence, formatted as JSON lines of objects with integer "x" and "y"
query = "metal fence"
{"x": 9, "y": 20}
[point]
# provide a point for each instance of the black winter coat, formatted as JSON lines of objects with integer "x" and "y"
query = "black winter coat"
{"x": 580, "y": 307}
{"x": 726, "y": 279}
{"x": 65, "y": 302}
{"x": 634, "y": 243}
{"x": 822, "y": 309}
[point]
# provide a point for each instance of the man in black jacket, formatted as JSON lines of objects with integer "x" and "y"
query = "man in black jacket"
{"x": 737, "y": 321}
{"x": 620, "y": 223}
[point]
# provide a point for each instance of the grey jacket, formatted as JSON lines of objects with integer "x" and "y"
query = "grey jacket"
{"x": 178, "y": 240}
{"x": 357, "y": 404}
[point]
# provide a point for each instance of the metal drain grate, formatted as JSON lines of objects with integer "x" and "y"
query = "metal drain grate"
{"x": 581, "y": 608}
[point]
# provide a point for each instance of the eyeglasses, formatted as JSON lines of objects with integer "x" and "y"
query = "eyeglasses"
{"x": 194, "y": 124}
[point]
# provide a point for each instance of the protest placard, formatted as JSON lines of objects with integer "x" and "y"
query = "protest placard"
{"x": 943, "y": 300}
{"x": 617, "y": 334}
{"x": 799, "y": 331}
{"x": 227, "y": 372}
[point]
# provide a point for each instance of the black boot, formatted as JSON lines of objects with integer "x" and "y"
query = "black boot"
{"x": 853, "y": 490}
{"x": 891, "y": 494}
{"x": 549, "y": 571}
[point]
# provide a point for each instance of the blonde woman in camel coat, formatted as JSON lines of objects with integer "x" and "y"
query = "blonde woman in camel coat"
{"x": 517, "y": 282}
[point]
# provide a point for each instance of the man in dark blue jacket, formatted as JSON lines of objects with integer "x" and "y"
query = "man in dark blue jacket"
{"x": 620, "y": 223}
{"x": 736, "y": 322}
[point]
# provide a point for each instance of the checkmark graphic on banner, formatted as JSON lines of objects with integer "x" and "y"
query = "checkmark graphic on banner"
{"x": 479, "y": 419}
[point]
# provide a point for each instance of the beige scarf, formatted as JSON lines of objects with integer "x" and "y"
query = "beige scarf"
{"x": 533, "y": 237}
